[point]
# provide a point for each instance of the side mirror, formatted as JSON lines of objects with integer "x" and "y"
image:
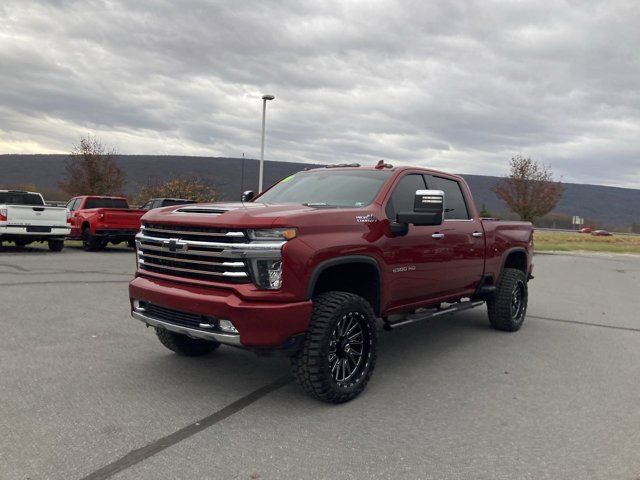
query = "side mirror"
{"x": 428, "y": 209}
{"x": 247, "y": 196}
{"x": 399, "y": 229}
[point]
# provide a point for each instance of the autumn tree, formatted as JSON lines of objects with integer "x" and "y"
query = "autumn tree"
{"x": 91, "y": 169}
{"x": 530, "y": 189}
{"x": 190, "y": 188}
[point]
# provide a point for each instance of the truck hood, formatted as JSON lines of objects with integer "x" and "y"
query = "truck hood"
{"x": 242, "y": 215}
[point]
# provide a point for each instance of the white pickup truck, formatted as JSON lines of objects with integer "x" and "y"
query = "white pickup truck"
{"x": 25, "y": 219}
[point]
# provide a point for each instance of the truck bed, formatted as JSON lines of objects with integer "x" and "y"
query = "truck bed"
{"x": 114, "y": 218}
{"x": 502, "y": 236}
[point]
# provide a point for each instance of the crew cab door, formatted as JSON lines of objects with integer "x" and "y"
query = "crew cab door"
{"x": 463, "y": 237}
{"x": 416, "y": 263}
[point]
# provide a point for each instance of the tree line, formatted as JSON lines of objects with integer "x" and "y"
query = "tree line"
{"x": 91, "y": 169}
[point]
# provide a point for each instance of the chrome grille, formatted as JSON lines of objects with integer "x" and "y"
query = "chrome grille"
{"x": 199, "y": 252}
{"x": 194, "y": 233}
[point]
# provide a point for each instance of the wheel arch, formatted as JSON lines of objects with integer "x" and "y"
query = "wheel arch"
{"x": 338, "y": 273}
{"x": 517, "y": 258}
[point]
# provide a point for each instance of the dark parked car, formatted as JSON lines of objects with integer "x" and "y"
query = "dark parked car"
{"x": 165, "y": 202}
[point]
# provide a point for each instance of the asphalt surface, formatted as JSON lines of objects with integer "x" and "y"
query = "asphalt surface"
{"x": 86, "y": 392}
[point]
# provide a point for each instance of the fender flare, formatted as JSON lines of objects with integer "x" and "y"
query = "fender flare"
{"x": 332, "y": 262}
{"x": 508, "y": 252}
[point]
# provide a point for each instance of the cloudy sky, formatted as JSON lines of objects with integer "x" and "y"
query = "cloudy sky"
{"x": 458, "y": 85}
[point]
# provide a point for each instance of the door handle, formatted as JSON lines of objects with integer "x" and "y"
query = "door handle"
{"x": 437, "y": 236}
{"x": 476, "y": 234}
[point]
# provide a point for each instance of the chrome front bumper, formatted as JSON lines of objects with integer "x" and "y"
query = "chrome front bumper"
{"x": 227, "y": 339}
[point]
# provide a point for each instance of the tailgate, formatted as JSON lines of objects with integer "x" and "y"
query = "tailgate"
{"x": 122, "y": 218}
{"x": 30, "y": 215}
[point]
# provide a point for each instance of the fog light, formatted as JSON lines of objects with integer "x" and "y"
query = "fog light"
{"x": 227, "y": 326}
{"x": 139, "y": 305}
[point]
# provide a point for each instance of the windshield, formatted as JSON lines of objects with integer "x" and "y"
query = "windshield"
{"x": 331, "y": 188}
{"x": 106, "y": 203}
{"x": 20, "y": 198}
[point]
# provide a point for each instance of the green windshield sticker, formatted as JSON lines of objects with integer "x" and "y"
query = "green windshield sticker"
{"x": 285, "y": 180}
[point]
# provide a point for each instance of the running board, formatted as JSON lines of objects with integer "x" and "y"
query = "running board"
{"x": 418, "y": 317}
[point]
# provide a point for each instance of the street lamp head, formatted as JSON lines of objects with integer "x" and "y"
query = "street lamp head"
{"x": 268, "y": 97}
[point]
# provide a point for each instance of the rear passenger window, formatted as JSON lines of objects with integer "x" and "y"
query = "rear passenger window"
{"x": 454, "y": 203}
{"x": 73, "y": 204}
{"x": 404, "y": 194}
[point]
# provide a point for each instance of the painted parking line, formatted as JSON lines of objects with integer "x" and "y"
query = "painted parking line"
{"x": 136, "y": 456}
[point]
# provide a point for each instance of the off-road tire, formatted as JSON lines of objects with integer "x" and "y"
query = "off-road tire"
{"x": 91, "y": 243}
{"x": 183, "y": 345}
{"x": 56, "y": 245}
{"x": 131, "y": 243}
{"x": 311, "y": 365}
{"x": 506, "y": 312}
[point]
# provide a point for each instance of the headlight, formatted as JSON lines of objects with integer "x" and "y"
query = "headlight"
{"x": 267, "y": 273}
{"x": 273, "y": 234}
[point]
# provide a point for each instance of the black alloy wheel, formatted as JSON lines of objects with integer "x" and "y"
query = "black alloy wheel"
{"x": 349, "y": 349}
{"x": 518, "y": 301}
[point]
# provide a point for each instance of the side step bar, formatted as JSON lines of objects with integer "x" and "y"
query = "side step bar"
{"x": 417, "y": 317}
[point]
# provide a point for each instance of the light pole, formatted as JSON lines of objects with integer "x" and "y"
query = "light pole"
{"x": 264, "y": 115}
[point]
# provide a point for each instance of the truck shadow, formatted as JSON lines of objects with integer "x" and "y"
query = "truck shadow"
{"x": 427, "y": 341}
{"x": 420, "y": 345}
{"x": 110, "y": 249}
{"x": 30, "y": 249}
{"x": 42, "y": 248}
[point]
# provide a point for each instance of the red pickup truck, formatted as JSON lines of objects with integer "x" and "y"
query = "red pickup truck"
{"x": 312, "y": 263}
{"x": 98, "y": 220}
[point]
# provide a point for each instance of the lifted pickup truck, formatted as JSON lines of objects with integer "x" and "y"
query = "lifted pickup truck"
{"x": 100, "y": 220}
{"x": 309, "y": 265}
{"x": 25, "y": 219}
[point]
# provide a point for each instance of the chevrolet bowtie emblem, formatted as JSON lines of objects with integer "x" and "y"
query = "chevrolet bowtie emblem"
{"x": 174, "y": 245}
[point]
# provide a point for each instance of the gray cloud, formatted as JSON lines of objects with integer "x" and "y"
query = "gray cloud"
{"x": 459, "y": 86}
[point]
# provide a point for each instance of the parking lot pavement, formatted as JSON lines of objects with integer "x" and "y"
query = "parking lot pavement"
{"x": 87, "y": 392}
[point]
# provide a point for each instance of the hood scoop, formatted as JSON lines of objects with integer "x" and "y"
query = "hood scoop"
{"x": 215, "y": 208}
{"x": 202, "y": 210}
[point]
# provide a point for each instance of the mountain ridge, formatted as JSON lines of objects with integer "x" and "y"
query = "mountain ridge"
{"x": 611, "y": 206}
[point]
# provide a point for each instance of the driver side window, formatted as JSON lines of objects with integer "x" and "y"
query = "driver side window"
{"x": 403, "y": 195}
